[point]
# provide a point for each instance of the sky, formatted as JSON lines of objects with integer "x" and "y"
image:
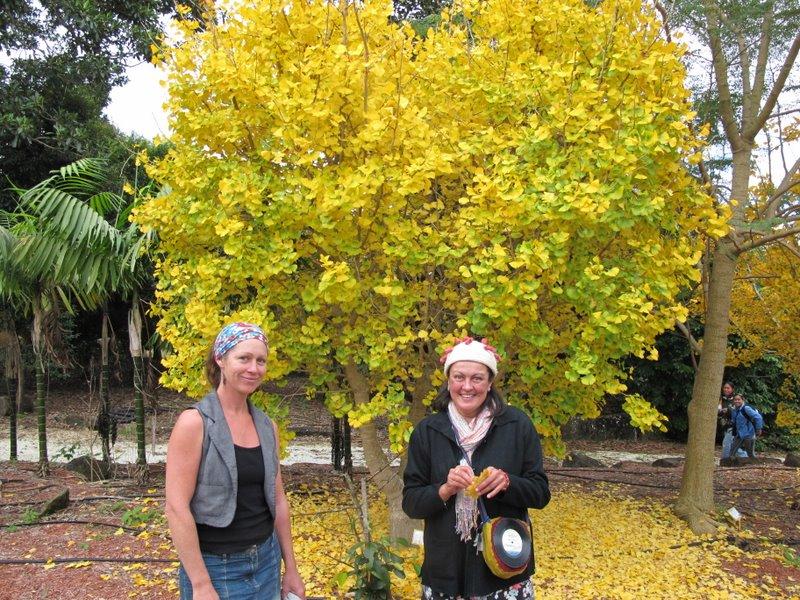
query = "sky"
{"x": 137, "y": 107}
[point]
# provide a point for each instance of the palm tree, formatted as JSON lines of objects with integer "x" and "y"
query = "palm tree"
{"x": 12, "y": 372}
{"x": 67, "y": 252}
{"x": 41, "y": 299}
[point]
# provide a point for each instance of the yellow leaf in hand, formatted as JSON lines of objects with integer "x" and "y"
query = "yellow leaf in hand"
{"x": 472, "y": 490}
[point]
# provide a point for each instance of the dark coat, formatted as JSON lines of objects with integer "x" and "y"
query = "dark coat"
{"x": 451, "y": 566}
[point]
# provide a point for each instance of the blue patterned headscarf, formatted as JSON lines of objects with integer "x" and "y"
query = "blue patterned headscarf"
{"x": 232, "y": 334}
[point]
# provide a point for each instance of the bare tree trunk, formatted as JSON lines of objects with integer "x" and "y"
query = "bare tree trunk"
{"x": 24, "y": 403}
{"x": 11, "y": 389}
{"x": 387, "y": 478}
{"x": 104, "y": 425}
{"x": 12, "y": 364}
{"x": 135, "y": 339}
{"x": 37, "y": 337}
{"x": 696, "y": 499}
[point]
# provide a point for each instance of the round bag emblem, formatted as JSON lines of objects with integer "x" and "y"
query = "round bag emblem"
{"x": 512, "y": 542}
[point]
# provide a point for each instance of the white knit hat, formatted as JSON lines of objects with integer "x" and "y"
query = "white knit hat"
{"x": 473, "y": 351}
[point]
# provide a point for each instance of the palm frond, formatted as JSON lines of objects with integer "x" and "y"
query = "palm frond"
{"x": 15, "y": 286}
{"x": 63, "y": 245}
{"x": 53, "y": 260}
{"x": 84, "y": 168}
{"x": 69, "y": 218}
{"x": 104, "y": 203}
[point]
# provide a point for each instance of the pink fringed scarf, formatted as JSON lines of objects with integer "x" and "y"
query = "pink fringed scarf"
{"x": 469, "y": 436}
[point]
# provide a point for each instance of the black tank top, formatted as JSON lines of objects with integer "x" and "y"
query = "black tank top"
{"x": 252, "y": 522}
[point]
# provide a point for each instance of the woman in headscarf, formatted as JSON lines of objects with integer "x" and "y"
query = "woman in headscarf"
{"x": 226, "y": 507}
{"x": 474, "y": 432}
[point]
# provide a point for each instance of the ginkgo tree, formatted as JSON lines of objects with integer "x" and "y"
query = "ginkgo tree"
{"x": 368, "y": 195}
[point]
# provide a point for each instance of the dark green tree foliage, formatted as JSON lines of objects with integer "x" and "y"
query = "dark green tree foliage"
{"x": 65, "y": 57}
{"x": 667, "y": 383}
{"x": 418, "y": 9}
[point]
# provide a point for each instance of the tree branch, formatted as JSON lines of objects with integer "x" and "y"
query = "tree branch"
{"x": 664, "y": 18}
{"x": 784, "y": 113}
{"x": 766, "y": 239}
{"x": 787, "y": 183}
{"x": 719, "y": 63}
{"x": 789, "y": 248}
{"x": 753, "y": 100}
{"x": 693, "y": 343}
{"x": 777, "y": 88}
{"x": 744, "y": 61}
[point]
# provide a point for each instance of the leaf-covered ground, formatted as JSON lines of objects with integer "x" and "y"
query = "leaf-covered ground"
{"x": 595, "y": 540}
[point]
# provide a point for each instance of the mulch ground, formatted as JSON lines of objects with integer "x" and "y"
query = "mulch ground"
{"x": 113, "y": 542}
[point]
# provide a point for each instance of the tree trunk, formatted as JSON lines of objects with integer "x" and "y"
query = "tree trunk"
{"x": 12, "y": 417}
{"x": 387, "y": 478}
{"x": 135, "y": 338}
{"x": 695, "y": 502}
{"x": 104, "y": 425}
{"x": 24, "y": 403}
{"x": 11, "y": 366}
{"x": 696, "y": 499}
{"x": 341, "y": 447}
{"x": 41, "y": 418}
{"x": 37, "y": 338}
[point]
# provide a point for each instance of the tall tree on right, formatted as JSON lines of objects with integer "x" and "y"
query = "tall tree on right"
{"x": 749, "y": 51}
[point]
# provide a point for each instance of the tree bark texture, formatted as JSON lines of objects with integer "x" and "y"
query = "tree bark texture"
{"x": 387, "y": 478}
{"x": 24, "y": 402}
{"x": 12, "y": 366}
{"x": 41, "y": 418}
{"x": 12, "y": 418}
{"x": 135, "y": 346}
{"x": 696, "y": 499}
{"x": 104, "y": 425}
{"x": 37, "y": 337}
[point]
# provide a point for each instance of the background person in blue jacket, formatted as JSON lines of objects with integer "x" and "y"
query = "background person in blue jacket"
{"x": 725, "y": 420}
{"x": 747, "y": 424}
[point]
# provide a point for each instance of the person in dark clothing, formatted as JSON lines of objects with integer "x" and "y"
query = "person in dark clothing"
{"x": 724, "y": 417}
{"x": 475, "y": 431}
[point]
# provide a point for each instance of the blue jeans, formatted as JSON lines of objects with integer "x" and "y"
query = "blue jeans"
{"x": 748, "y": 444}
{"x": 727, "y": 442}
{"x": 253, "y": 574}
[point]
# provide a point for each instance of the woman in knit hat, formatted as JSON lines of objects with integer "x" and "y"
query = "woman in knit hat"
{"x": 226, "y": 507}
{"x": 474, "y": 432}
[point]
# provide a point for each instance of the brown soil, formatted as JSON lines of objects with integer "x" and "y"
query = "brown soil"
{"x": 767, "y": 495}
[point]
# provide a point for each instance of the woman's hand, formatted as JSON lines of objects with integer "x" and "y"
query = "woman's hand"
{"x": 496, "y": 483}
{"x": 458, "y": 478}
{"x": 204, "y": 592}
{"x": 293, "y": 583}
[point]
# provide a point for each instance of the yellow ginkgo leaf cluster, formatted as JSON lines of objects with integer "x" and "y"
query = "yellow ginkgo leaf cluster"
{"x": 589, "y": 545}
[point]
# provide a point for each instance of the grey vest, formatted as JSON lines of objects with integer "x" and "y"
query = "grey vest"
{"x": 214, "y": 500}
